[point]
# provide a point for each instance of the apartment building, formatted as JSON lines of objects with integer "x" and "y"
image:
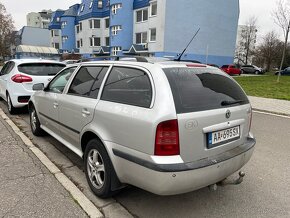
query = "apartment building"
{"x": 39, "y": 19}
{"x": 160, "y": 28}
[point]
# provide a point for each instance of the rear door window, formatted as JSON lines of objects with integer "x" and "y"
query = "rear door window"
{"x": 40, "y": 69}
{"x": 128, "y": 86}
{"x": 197, "y": 89}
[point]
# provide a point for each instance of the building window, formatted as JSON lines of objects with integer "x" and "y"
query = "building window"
{"x": 142, "y": 15}
{"x": 91, "y": 4}
{"x": 141, "y": 38}
{"x": 115, "y": 8}
{"x": 107, "y": 23}
{"x": 64, "y": 38}
{"x": 153, "y": 35}
{"x": 79, "y": 43}
{"x": 54, "y": 33}
{"x": 107, "y": 41}
{"x": 115, "y": 50}
{"x": 95, "y": 41}
{"x": 100, "y": 4}
{"x": 115, "y": 29}
{"x": 81, "y": 26}
{"x": 95, "y": 24}
{"x": 56, "y": 45}
{"x": 153, "y": 9}
{"x": 78, "y": 28}
{"x": 63, "y": 24}
{"x": 58, "y": 19}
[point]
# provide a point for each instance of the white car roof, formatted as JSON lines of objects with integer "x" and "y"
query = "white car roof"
{"x": 21, "y": 61}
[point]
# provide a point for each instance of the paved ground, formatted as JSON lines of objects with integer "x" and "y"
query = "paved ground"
{"x": 27, "y": 189}
{"x": 271, "y": 105}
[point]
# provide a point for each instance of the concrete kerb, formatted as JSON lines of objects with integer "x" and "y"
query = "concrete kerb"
{"x": 81, "y": 199}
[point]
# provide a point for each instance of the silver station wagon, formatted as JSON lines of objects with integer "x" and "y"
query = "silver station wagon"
{"x": 167, "y": 127}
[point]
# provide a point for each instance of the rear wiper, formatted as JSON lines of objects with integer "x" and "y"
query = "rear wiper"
{"x": 226, "y": 103}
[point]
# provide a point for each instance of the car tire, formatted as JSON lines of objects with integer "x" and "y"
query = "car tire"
{"x": 99, "y": 169}
{"x": 256, "y": 72}
{"x": 34, "y": 122}
{"x": 11, "y": 109}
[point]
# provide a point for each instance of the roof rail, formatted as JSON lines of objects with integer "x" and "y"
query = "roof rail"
{"x": 125, "y": 58}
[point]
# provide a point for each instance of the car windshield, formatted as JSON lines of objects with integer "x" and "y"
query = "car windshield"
{"x": 40, "y": 69}
{"x": 199, "y": 89}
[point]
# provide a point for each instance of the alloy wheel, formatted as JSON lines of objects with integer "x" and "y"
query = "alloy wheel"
{"x": 96, "y": 169}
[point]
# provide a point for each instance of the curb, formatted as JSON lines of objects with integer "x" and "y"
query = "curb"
{"x": 271, "y": 113}
{"x": 82, "y": 200}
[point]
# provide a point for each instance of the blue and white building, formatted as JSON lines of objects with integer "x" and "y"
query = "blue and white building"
{"x": 159, "y": 28}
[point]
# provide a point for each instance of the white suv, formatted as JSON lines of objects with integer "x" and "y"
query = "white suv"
{"x": 19, "y": 75}
{"x": 166, "y": 127}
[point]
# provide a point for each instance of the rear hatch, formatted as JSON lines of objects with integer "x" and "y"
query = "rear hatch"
{"x": 213, "y": 111}
{"x": 38, "y": 72}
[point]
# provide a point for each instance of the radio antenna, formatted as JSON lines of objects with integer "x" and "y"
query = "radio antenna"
{"x": 179, "y": 58}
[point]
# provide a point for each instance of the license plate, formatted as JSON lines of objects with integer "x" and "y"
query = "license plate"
{"x": 223, "y": 136}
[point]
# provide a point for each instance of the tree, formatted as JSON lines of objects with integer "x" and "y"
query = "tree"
{"x": 282, "y": 19}
{"x": 6, "y": 30}
{"x": 267, "y": 53}
{"x": 247, "y": 40}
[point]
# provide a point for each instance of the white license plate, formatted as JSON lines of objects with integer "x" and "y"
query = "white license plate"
{"x": 223, "y": 136}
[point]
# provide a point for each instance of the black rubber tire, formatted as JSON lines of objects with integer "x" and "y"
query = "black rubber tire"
{"x": 37, "y": 131}
{"x": 257, "y": 72}
{"x": 105, "y": 191}
{"x": 11, "y": 109}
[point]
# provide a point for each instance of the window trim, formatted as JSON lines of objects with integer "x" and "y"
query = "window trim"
{"x": 93, "y": 23}
{"x": 142, "y": 43}
{"x": 132, "y": 67}
{"x": 93, "y": 41}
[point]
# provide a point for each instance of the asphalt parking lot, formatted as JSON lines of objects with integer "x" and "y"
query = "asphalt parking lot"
{"x": 265, "y": 191}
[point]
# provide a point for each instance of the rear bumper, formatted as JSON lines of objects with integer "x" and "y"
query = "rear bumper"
{"x": 170, "y": 179}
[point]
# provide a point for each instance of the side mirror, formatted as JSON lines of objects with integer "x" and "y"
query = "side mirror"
{"x": 38, "y": 87}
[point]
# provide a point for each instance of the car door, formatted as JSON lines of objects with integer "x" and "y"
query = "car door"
{"x": 76, "y": 107}
{"x": 4, "y": 76}
{"x": 47, "y": 101}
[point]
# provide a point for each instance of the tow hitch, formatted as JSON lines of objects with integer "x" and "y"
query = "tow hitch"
{"x": 227, "y": 181}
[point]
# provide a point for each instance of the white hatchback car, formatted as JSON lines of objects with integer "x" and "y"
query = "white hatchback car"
{"x": 167, "y": 127}
{"x": 19, "y": 75}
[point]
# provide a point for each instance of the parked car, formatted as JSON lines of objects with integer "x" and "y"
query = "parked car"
{"x": 285, "y": 72}
{"x": 213, "y": 65}
{"x": 252, "y": 69}
{"x": 19, "y": 75}
{"x": 231, "y": 69}
{"x": 166, "y": 127}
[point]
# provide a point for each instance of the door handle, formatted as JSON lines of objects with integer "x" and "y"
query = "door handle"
{"x": 85, "y": 112}
{"x": 55, "y": 105}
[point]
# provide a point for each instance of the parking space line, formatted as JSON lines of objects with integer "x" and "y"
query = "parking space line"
{"x": 82, "y": 200}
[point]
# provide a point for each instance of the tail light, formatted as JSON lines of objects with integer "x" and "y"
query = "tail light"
{"x": 167, "y": 139}
{"x": 19, "y": 78}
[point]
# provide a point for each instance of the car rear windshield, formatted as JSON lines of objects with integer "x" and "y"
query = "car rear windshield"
{"x": 40, "y": 69}
{"x": 225, "y": 66}
{"x": 199, "y": 89}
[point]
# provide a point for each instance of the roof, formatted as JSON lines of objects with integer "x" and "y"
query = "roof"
{"x": 36, "y": 49}
{"x": 103, "y": 50}
{"x": 136, "y": 48}
{"x": 72, "y": 11}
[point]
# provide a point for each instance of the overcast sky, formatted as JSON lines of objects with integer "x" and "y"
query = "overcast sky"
{"x": 262, "y": 9}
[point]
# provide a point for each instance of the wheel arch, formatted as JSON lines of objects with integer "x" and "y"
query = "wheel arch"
{"x": 85, "y": 138}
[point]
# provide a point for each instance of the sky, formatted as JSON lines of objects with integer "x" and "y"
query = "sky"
{"x": 262, "y": 9}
